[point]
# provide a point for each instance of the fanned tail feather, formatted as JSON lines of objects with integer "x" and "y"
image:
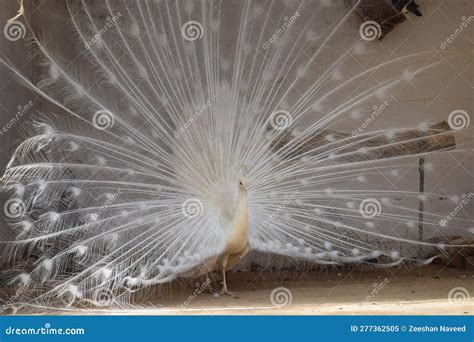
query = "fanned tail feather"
{"x": 162, "y": 105}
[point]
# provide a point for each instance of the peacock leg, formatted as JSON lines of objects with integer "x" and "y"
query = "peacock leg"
{"x": 224, "y": 290}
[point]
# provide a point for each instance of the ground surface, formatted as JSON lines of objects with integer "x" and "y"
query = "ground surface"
{"x": 347, "y": 292}
{"x": 406, "y": 292}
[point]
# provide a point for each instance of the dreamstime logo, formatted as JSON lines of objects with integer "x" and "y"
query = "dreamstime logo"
{"x": 281, "y": 119}
{"x": 47, "y": 329}
{"x": 284, "y": 27}
{"x": 200, "y": 287}
{"x": 370, "y": 208}
{"x": 458, "y": 296}
{"x": 281, "y": 297}
{"x": 103, "y": 297}
{"x": 465, "y": 22}
{"x": 370, "y": 30}
{"x": 280, "y": 208}
{"x": 192, "y": 207}
{"x": 190, "y": 121}
{"x": 14, "y": 30}
{"x": 192, "y": 30}
{"x": 9, "y": 305}
{"x": 21, "y": 110}
{"x": 465, "y": 200}
{"x": 377, "y": 288}
{"x": 109, "y": 22}
{"x": 111, "y": 198}
{"x": 459, "y": 119}
{"x": 103, "y": 119}
{"x": 14, "y": 208}
{"x": 377, "y": 110}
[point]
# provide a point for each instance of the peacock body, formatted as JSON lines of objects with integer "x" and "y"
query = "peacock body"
{"x": 183, "y": 135}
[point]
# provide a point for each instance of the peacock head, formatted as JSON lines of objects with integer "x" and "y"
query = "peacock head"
{"x": 243, "y": 185}
{"x": 244, "y": 182}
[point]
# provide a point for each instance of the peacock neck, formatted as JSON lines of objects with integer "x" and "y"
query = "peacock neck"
{"x": 238, "y": 235}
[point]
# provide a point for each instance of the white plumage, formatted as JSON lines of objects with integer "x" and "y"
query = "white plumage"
{"x": 180, "y": 138}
